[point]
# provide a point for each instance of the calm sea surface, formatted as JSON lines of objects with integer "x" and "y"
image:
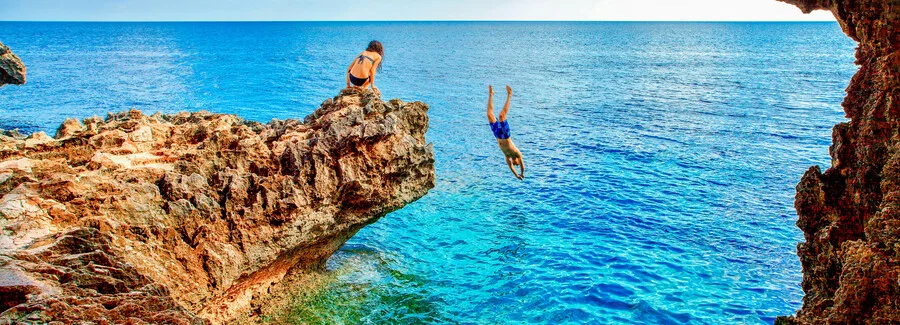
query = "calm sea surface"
{"x": 662, "y": 157}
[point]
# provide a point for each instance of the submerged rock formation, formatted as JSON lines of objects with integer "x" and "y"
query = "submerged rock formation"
{"x": 187, "y": 218}
{"x": 12, "y": 70}
{"x": 850, "y": 214}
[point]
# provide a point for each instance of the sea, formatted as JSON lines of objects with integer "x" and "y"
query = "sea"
{"x": 661, "y": 158}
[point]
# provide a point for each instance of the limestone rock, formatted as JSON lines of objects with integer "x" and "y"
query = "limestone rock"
{"x": 12, "y": 70}
{"x": 850, "y": 214}
{"x": 69, "y": 128}
{"x": 192, "y": 218}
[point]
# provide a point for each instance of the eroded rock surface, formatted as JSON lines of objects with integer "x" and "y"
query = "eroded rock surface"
{"x": 188, "y": 218}
{"x": 850, "y": 214}
{"x": 12, "y": 70}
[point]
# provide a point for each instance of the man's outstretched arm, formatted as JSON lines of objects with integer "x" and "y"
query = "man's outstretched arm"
{"x": 513, "y": 170}
{"x": 522, "y": 168}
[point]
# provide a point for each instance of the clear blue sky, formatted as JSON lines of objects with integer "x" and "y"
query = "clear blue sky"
{"x": 241, "y": 10}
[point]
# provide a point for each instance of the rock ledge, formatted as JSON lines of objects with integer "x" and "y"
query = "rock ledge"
{"x": 193, "y": 217}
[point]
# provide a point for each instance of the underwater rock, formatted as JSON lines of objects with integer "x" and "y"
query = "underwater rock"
{"x": 850, "y": 214}
{"x": 188, "y": 218}
{"x": 12, "y": 70}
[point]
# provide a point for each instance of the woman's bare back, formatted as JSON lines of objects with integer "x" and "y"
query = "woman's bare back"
{"x": 362, "y": 68}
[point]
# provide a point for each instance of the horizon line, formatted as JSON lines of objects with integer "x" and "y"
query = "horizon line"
{"x": 416, "y": 21}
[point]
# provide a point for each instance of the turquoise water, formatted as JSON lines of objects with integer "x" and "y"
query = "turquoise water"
{"x": 662, "y": 157}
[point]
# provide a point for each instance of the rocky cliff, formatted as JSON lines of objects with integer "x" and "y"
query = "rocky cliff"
{"x": 12, "y": 71}
{"x": 193, "y": 218}
{"x": 850, "y": 214}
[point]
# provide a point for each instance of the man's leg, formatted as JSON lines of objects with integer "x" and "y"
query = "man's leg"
{"x": 506, "y": 106}
{"x": 490, "y": 107}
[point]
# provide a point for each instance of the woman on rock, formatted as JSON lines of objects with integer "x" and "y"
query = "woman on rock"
{"x": 362, "y": 71}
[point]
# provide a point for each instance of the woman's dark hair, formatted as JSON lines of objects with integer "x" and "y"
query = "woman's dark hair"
{"x": 375, "y": 46}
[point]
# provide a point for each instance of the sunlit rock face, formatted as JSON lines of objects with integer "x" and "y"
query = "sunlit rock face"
{"x": 850, "y": 214}
{"x": 191, "y": 218}
{"x": 12, "y": 71}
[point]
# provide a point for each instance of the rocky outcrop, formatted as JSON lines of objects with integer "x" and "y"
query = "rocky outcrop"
{"x": 194, "y": 218}
{"x": 12, "y": 70}
{"x": 850, "y": 214}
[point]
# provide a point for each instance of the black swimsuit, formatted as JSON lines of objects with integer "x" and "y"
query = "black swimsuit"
{"x": 356, "y": 81}
{"x": 359, "y": 81}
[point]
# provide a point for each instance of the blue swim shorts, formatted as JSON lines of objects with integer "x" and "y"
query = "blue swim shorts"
{"x": 500, "y": 129}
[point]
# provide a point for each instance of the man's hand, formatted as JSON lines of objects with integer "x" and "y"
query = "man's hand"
{"x": 508, "y": 90}
{"x": 491, "y": 90}
{"x": 510, "y": 162}
{"x": 521, "y": 168}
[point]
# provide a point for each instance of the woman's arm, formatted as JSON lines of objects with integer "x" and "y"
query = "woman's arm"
{"x": 372, "y": 74}
{"x": 347, "y": 75}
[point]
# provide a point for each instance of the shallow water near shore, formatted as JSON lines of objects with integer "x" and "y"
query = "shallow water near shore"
{"x": 662, "y": 157}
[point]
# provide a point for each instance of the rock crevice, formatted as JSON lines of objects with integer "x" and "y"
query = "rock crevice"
{"x": 188, "y": 218}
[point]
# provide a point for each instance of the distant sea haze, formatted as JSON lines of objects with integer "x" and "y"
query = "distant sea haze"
{"x": 662, "y": 157}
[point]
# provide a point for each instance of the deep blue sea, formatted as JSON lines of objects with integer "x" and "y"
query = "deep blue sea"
{"x": 662, "y": 157}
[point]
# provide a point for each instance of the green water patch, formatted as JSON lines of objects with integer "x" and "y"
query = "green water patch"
{"x": 362, "y": 288}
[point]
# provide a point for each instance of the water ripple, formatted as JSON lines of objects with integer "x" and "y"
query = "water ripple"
{"x": 662, "y": 157}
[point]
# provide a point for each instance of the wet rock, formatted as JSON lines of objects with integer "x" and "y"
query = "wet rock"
{"x": 192, "y": 218}
{"x": 850, "y": 214}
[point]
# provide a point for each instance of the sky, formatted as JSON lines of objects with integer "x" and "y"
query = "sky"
{"x": 380, "y": 10}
